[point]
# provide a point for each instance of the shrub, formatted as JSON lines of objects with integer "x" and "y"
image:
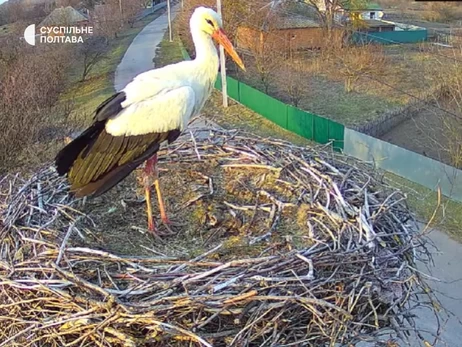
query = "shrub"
{"x": 29, "y": 89}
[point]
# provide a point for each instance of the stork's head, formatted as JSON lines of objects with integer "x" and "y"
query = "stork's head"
{"x": 209, "y": 22}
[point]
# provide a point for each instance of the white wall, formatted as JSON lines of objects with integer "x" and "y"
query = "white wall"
{"x": 376, "y": 15}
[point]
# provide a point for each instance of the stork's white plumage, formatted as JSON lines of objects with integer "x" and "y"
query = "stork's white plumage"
{"x": 155, "y": 107}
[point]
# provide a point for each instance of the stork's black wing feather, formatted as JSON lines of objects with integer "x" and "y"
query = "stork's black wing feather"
{"x": 96, "y": 161}
{"x": 110, "y": 107}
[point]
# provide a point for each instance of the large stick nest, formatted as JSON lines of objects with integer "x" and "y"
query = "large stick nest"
{"x": 280, "y": 246}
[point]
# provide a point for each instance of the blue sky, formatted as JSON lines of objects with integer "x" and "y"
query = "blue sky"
{"x": 2, "y": 1}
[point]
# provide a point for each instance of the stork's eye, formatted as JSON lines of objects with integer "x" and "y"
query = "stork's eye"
{"x": 210, "y": 22}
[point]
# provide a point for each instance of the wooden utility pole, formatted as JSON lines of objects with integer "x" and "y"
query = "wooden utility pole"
{"x": 224, "y": 87}
{"x": 169, "y": 21}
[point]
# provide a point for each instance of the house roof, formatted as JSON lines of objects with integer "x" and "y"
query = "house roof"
{"x": 363, "y": 7}
{"x": 294, "y": 22}
{"x": 63, "y": 16}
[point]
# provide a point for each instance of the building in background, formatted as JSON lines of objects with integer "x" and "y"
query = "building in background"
{"x": 366, "y": 11}
{"x": 284, "y": 33}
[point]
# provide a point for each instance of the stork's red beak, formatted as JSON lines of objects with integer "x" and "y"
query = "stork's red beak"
{"x": 220, "y": 37}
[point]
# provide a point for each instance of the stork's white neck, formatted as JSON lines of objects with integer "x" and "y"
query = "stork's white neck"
{"x": 206, "y": 53}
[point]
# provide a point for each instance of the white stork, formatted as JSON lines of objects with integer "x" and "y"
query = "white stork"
{"x": 156, "y": 106}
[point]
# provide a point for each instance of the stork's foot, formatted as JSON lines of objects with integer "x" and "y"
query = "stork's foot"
{"x": 151, "y": 227}
{"x": 165, "y": 220}
{"x": 168, "y": 225}
{"x": 163, "y": 231}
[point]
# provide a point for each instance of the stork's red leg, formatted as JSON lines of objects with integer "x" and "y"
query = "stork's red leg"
{"x": 163, "y": 214}
{"x": 148, "y": 170}
{"x": 151, "y": 173}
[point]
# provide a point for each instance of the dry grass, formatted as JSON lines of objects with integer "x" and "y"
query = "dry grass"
{"x": 278, "y": 244}
{"x": 29, "y": 90}
{"x": 443, "y": 12}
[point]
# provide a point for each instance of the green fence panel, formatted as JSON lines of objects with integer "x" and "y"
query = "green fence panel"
{"x": 337, "y": 133}
{"x": 300, "y": 122}
{"x": 218, "y": 82}
{"x": 233, "y": 88}
{"x": 270, "y": 108}
{"x": 321, "y": 129}
{"x": 391, "y": 37}
{"x": 232, "y": 85}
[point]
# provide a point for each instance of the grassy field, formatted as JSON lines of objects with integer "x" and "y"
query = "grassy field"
{"x": 405, "y": 72}
{"x": 423, "y": 201}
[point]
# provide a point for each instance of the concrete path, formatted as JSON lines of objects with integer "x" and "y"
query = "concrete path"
{"x": 448, "y": 259}
{"x": 142, "y": 50}
{"x": 448, "y": 289}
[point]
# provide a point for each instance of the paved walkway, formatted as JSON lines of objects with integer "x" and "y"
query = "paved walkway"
{"x": 140, "y": 54}
{"x": 448, "y": 289}
{"x": 448, "y": 259}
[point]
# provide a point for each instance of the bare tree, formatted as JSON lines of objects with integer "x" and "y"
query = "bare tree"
{"x": 355, "y": 62}
{"x": 131, "y": 10}
{"x": 16, "y": 11}
{"x": 442, "y": 125}
{"x": 90, "y": 4}
{"x": 235, "y": 13}
{"x": 108, "y": 19}
{"x": 92, "y": 51}
{"x": 3, "y": 14}
{"x": 65, "y": 3}
{"x": 293, "y": 79}
{"x": 268, "y": 56}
